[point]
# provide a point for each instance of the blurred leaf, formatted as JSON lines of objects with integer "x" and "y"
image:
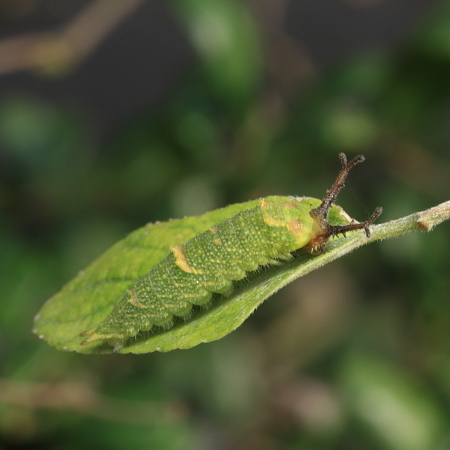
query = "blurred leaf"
{"x": 350, "y": 128}
{"x": 224, "y": 35}
{"x": 391, "y": 404}
{"x": 28, "y": 126}
{"x": 435, "y": 37}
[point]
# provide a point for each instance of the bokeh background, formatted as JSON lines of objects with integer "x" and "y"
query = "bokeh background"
{"x": 114, "y": 114}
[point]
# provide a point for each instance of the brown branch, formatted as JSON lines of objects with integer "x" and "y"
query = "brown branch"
{"x": 56, "y": 51}
{"x": 72, "y": 396}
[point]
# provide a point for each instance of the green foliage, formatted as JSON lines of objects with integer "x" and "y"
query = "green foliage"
{"x": 292, "y": 377}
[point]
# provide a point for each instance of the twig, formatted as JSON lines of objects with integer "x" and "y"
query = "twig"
{"x": 71, "y": 396}
{"x": 55, "y": 51}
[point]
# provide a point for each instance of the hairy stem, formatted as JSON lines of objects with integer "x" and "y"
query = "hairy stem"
{"x": 425, "y": 220}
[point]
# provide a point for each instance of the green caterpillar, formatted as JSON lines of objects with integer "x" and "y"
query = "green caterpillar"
{"x": 210, "y": 262}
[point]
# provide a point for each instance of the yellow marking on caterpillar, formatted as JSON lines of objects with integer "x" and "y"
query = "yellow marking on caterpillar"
{"x": 180, "y": 260}
{"x": 133, "y": 299}
{"x": 272, "y": 222}
{"x": 202, "y": 283}
{"x": 216, "y": 240}
{"x": 268, "y": 219}
{"x": 295, "y": 227}
{"x": 194, "y": 295}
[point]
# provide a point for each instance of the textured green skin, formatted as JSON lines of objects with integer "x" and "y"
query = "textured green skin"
{"x": 248, "y": 240}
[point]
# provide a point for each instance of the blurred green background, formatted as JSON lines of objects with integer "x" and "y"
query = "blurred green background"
{"x": 185, "y": 106}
